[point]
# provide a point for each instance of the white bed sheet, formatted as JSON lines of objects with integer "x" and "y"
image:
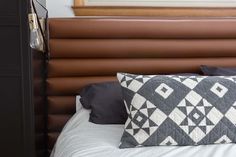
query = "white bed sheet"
{"x": 81, "y": 138}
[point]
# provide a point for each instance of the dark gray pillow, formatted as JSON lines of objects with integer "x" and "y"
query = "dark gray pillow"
{"x": 217, "y": 71}
{"x": 106, "y": 103}
{"x": 178, "y": 110}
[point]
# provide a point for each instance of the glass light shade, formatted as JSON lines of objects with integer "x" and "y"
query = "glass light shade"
{"x": 36, "y": 39}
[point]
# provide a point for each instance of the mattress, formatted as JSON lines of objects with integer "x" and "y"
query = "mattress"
{"x": 80, "y": 138}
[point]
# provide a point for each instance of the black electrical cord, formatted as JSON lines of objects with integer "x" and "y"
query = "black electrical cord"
{"x": 39, "y": 24}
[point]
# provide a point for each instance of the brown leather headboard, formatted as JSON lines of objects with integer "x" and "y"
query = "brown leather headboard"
{"x": 89, "y": 50}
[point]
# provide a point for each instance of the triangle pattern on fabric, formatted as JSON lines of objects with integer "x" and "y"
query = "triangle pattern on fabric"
{"x": 182, "y": 79}
{"x": 152, "y": 129}
{"x": 189, "y": 109}
{"x": 127, "y": 78}
{"x": 201, "y": 109}
{"x": 135, "y": 131}
{"x": 209, "y": 128}
{"x": 199, "y": 79}
{"x": 191, "y": 128}
{"x": 140, "y": 80}
{"x": 184, "y": 122}
{"x": 147, "y": 130}
{"x": 146, "y": 124}
{"x": 150, "y": 111}
{"x": 223, "y": 139}
{"x": 208, "y": 122}
{"x": 208, "y": 109}
{"x": 133, "y": 108}
{"x": 144, "y": 111}
{"x": 182, "y": 103}
{"x": 144, "y": 106}
{"x": 185, "y": 128}
{"x": 206, "y": 103}
{"x": 203, "y": 122}
{"x": 201, "y": 103}
{"x": 128, "y": 82}
{"x": 188, "y": 103}
{"x": 194, "y": 79}
{"x": 190, "y": 122}
{"x": 134, "y": 126}
{"x": 145, "y": 79}
{"x": 133, "y": 113}
{"x": 129, "y": 126}
{"x": 203, "y": 128}
{"x": 122, "y": 79}
{"x": 177, "y": 79}
{"x": 150, "y": 105}
{"x": 183, "y": 109}
{"x": 151, "y": 123}
{"x": 169, "y": 141}
{"x": 124, "y": 84}
{"x": 130, "y": 131}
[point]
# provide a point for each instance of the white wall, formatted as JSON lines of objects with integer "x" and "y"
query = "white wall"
{"x": 60, "y": 8}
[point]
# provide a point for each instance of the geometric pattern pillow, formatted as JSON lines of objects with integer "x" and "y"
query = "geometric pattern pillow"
{"x": 178, "y": 110}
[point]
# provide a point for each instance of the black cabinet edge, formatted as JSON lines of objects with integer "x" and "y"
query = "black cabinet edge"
{"x": 27, "y": 79}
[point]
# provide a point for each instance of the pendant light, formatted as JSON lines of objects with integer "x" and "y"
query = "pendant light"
{"x": 37, "y": 38}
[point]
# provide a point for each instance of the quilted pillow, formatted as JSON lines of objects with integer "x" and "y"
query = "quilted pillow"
{"x": 178, "y": 110}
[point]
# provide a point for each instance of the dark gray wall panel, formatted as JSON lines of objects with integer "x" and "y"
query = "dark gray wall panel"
{"x": 10, "y": 47}
{"x": 9, "y": 7}
{"x": 17, "y": 119}
{"x": 11, "y": 113}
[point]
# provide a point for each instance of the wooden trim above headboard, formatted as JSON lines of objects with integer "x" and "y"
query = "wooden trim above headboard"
{"x": 80, "y": 9}
{"x": 89, "y": 50}
{"x": 153, "y": 11}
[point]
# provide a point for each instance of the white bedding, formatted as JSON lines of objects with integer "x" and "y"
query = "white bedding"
{"x": 81, "y": 138}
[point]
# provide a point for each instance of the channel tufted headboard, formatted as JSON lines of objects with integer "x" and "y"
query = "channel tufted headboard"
{"x": 88, "y": 50}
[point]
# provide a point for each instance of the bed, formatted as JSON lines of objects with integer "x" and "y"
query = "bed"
{"x": 95, "y": 49}
{"x": 83, "y": 138}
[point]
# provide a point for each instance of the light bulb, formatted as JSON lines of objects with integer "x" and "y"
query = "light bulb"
{"x": 36, "y": 39}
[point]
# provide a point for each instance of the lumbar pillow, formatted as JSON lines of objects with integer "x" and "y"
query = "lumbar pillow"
{"x": 178, "y": 110}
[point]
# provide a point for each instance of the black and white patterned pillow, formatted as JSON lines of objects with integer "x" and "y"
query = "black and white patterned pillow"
{"x": 178, "y": 110}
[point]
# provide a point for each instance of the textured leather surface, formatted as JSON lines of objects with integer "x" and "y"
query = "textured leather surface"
{"x": 127, "y": 48}
{"x": 61, "y": 104}
{"x": 85, "y": 51}
{"x": 141, "y": 28}
{"x": 109, "y": 67}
